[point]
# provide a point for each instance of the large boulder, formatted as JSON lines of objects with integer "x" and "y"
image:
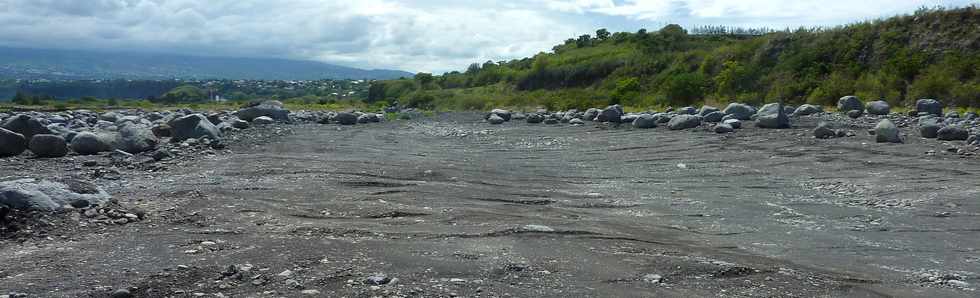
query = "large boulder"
{"x": 270, "y": 108}
{"x": 346, "y": 118}
{"x": 929, "y": 128}
{"x": 849, "y": 103}
{"x": 714, "y": 117}
{"x": 534, "y": 118}
{"x": 495, "y": 119}
{"x": 11, "y": 143}
{"x": 705, "y": 110}
{"x": 879, "y": 107}
{"x": 238, "y": 123}
{"x": 645, "y": 121}
{"x": 887, "y": 132}
{"x": 723, "y": 128}
{"x": 31, "y": 194}
{"x": 613, "y": 113}
{"x": 26, "y": 125}
{"x": 590, "y": 114}
{"x": 807, "y": 109}
{"x": 87, "y": 143}
{"x": 684, "y": 121}
{"x": 952, "y": 133}
{"x": 824, "y": 131}
{"x": 734, "y": 123}
{"x": 774, "y": 117}
{"x": 503, "y": 114}
{"x": 136, "y": 139}
{"x": 740, "y": 111}
{"x": 194, "y": 126}
{"x": 929, "y": 106}
{"x": 48, "y": 146}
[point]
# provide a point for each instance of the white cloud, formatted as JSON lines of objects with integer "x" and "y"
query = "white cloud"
{"x": 427, "y": 35}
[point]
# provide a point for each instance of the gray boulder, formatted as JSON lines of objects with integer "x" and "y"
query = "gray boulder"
{"x": 503, "y": 114}
{"x": 824, "y": 131}
{"x": 48, "y": 146}
{"x": 953, "y": 115}
{"x": 714, "y": 117}
{"x": 269, "y": 108}
{"x": 849, "y": 103}
{"x": 194, "y": 126}
{"x": 929, "y": 106}
{"x": 590, "y": 114}
{"x": 687, "y": 111}
{"x": 87, "y": 143}
{"x": 263, "y": 120}
{"x": 769, "y": 109}
{"x": 740, "y": 111}
{"x": 576, "y": 121}
{"x": 496, "y": 119}
{"x": 613, "y": 113}
{"x": 734, "y": 123}
{"x": 11, "y": 143}
{"x": 135, "y": 139}
{"x": 705, "y": 110}
{"x": 879, "y": 107}
{"x": 724, "y": 128}
{"x": 551, "y": 121}
{"x": 162, "y": 130}
{"x": 346, "y": 118}
{"x": 109, "y": 117}
{"x": 31, "y": 194}
{"x": 26, "y": 125}
{"x": 644, "y": 121}
{"x": 854, "y": 114}
{"x": 239, "y": 123}
{"x": 929, "y": 128}
{"x": 952, "y": 133}
{"x": 534, "y": 118}
{"x": 807, "y": 109}
{"x": 775, "y": 119}
{"x": 684, "y": 121}
{"x": 887, "y": 132}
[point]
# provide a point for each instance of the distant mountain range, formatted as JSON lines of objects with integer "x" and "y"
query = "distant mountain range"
{"x": 20, "y": 63}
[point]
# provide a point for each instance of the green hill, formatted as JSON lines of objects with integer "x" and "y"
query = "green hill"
{"x": 933, "y": 53}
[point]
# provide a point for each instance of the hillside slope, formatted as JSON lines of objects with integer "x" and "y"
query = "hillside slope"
{"x": 932, "y": 53}
{"x": 16, "y": 63}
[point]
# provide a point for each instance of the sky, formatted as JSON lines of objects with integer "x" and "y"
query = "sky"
{"x": 417, "y": 36}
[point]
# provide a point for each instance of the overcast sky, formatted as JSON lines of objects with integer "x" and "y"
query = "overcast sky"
{"x": 426, "y": 35}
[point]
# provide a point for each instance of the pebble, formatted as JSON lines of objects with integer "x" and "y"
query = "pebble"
{"x": 310, "y": 292}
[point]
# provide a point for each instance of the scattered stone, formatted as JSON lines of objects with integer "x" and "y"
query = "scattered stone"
{"x": 495, "y": 119}
{"x": 346, "y": 118}
{"x": 534, "y": 118}
{"x": 613, "y": 114}
{"x": 48, "y": 146}
{"x": 378, "y": 280}
{"x": 776, "y": 120}
{"x": 27, "y": 126}
{"x": 714, "y": 117}
{"x": 854, "y": 114}
{"x": 887, "y": 132}
{"x": 194, "y": 126}
{"x": 824, "y": 131}
{"x": 929, "y": 128}
{"x": 807, "y": 109}
{"x": 270, "y": 108}
{"x": 952, "y": 133}
{"x": 684, "y": 121}
{"x": 724, "y": 128}
{"x": 11, "y": 143}
{"x": 849, "y": 103}
{"x": 879, "y": 107}
{"x": 645, "y": 121}
{"x": 740, "y": 111}
{"x": 87, "y": 143}
{"x": 929, "y": 106}
{"x": 32, "y": 194}
{"x": 135, "y": 139}
{"x": 239, "y": 123}
{"x": 734, "y": 123}
{"x": 263, "y": 120}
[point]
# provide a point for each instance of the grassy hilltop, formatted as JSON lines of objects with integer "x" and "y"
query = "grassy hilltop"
{"x": 932, "y": 53}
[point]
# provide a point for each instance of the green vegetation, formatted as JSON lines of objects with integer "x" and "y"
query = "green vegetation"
{"x": 933, "y": 53}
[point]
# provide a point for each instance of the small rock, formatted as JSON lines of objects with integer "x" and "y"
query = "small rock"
{"x": 724, "y": 128}
{"x": 823, "y": 131}
{"x": 121, "y": 293}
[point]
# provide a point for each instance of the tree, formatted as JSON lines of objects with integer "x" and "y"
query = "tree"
{"x": 685, "y": 88}
{"x": 21, "y": 98}
{"x": 602, "y": 34}
{"x": 424, "y": 80}
{"x": 584, "y": 41}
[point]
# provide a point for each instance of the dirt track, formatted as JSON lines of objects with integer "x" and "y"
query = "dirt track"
{"x": 459, "y": 207}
